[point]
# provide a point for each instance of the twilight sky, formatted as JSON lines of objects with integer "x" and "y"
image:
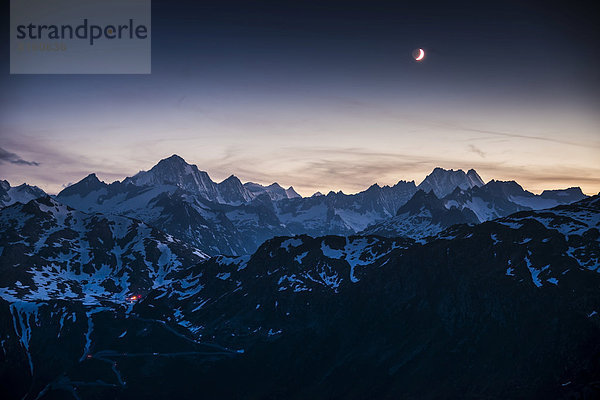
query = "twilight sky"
{"x": 324, "y": 95}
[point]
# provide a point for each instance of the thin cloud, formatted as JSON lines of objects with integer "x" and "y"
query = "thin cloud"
{"x": 476, "y": 150}
{"x": 421, "y": 121}
{"x": 531, "y": 137}
{"x": 12, "y": 158}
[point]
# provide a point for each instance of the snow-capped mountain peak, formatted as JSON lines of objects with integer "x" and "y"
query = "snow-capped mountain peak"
{"x": 87, "y": 185}
{"x": 19, "y": 194}
{"x": 474, "y": 178}
{"x": 176, "y": 171}
{"x": 443, "y": 182}
{"x": 231, "y": 191}
{"x": 423, "y": 215}
{"x": 291, "y": 193}
{"x": 421, "y": 200}
{"x": 274, "y": 190}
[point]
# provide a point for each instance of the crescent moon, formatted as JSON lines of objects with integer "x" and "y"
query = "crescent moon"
{"x": 421, "y": 55}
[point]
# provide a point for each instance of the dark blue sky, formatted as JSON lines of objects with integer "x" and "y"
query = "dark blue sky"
{"x": 290, "y": 91}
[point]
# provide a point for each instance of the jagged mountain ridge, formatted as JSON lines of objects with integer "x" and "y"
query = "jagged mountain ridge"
{"x": 274, "y": 190}
{"x": 331, "y": 316}
{"x": 443, "y": 182}
{"x": 427, "y": 215}
{"x": 231, "y": 218}
{"x": 52, "y": 251}
{"x": 423, "y": 215}
{"x": 177, "y": 172}
{"x": 18, "y": 194}
{"x": 234, "y": 218}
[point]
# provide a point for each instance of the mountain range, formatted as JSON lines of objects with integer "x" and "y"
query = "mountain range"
{"x": 234, "y": 218}
{"x": 168, "y": 284}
